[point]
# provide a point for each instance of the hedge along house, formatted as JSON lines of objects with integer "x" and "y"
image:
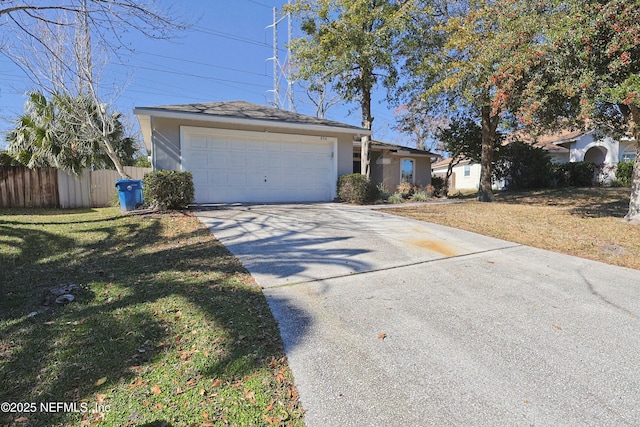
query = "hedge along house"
{"x": 589, "y": 146}
{"x": 243, "y": 152}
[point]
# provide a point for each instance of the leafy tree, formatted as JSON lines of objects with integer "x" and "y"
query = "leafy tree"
{"x": 348, "y": 43}
{"x": 451, "y": 51}
{"x": 42, "y": 49}
{"x": 462, "y": 139}
{"x": 588, "y": 53}
{"x": 142, "y": 162}
{"x": 49, "y": 134}
{"x": 420, "y": 125}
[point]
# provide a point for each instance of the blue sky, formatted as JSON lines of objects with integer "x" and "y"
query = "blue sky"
{"x": 223, "y": 56}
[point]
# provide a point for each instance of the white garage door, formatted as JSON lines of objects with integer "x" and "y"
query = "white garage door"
{"x": 240, "y": 166}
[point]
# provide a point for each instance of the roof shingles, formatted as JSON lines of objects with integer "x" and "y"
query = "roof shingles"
{"x": 248, "y": 111}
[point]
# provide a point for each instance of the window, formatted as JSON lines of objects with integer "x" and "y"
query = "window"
{"x": 628, "y": 157}
{"x": 407, "y": 171}
{"x": 467, "y": 170}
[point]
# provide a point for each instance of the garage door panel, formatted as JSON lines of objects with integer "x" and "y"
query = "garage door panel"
{"x": 217, "y": 160}
{"x": 237, "y": 145}
{"x": 199, "y": 141}
{"x": 259, "y": 168}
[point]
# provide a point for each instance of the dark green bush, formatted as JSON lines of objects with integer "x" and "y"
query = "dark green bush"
{"x": 356, "y": 188}
{"x": 437, "y": 182}
{"x": 574, "y": 174}
{"x": 623, "y": 173}
{"x": 168, "y": 189}
{"x": 522, "y": 166}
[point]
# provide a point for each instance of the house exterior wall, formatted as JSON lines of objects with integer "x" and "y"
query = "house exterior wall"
{"x": 558, "y": 157}
{"x": 583, "y": 144}
{"x": 377, "y": 170}
{"x": 460, "y": 182}
{"x": 423, "y": 171}
{"x": 166, "y": 141}
{"x": 467, "y": 182}
{"x": 389, "y": 173}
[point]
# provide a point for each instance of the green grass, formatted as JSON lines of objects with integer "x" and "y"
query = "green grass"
{"x": 167, "y": 328}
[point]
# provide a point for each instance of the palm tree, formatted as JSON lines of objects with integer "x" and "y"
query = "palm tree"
{"x": 61, "y": 133}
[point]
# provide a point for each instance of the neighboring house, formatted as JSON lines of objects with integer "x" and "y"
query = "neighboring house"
{"x": 393, "y": 164}
{"x": 243, "y": 152}
{"x": 465, "y": 175}
{"x": 588, "y": 146}
{"x": 562, "y": 147}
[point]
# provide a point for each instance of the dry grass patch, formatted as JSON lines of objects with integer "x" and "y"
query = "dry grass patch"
{"x": 582, "y": 222}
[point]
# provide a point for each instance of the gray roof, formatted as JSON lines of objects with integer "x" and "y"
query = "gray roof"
{"x": 389, "y": 146}
{"x": 245, "y": 111}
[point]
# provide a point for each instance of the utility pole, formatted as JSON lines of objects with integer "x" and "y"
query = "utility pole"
{"x": 278, "y": 69}
{"x": 276, "y": 63}
{"x": 289, "y": 77}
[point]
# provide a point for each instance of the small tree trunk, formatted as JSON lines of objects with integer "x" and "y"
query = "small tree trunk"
{"x": 634, "y": 199}
{"x": 114, "y": 158}
{"x": 489, "y": 126}
{"x": 367, "y": 120}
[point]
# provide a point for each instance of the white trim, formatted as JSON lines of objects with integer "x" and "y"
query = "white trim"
{"x": 253, "y": 122}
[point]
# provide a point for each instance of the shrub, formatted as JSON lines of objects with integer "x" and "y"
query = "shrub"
{"x": 522, "y": 166}
{"x": 169, "y": 189}
{"x": 383, "y": 193}
{"x": 623, "y": 173}
{"x": 356, "y": 188}
{"x": 430, "y": 190}
{"x": 406, "y": 189}
{"x": 574, "y": 174}
{"x": 437, "y": 182}
{"x": 420, "y": 196}
{"x": 396, "y": 198}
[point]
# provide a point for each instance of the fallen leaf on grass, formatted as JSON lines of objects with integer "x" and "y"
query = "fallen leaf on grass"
{"x": 274, "y": 421}
{"x": 250, "y": 395}
{"x": 101, "y": 381}
{"x": 216, "y": 383}
{"x": 270, "y": 407}
{"x": 156, "y": 390}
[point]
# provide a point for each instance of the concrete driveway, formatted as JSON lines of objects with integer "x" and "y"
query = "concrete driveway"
{"x": 390, "y": 321}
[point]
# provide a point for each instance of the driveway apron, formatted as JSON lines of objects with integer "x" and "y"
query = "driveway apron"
{"x": 391, "y": 321}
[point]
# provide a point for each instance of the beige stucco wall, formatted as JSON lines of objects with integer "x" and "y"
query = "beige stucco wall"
{"x": 166, "y": 141}
{"x": 389, "y": 174}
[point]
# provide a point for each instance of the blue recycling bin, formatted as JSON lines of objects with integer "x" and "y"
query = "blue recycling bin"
{"x": 129, "y": 193}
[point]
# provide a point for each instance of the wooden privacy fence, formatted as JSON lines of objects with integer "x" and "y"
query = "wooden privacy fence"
{"x": 50, "y": 187}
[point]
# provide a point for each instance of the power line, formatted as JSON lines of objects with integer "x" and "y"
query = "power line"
{"x": 230, "y": 36}
{"x": 181, "y": 73}
{"x": 259, "y": 4}
{"x": 202, "y": 63}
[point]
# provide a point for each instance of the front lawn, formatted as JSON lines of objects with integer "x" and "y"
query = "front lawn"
{"x": 585, "y": 222}
{"x": 166, "y": 329}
